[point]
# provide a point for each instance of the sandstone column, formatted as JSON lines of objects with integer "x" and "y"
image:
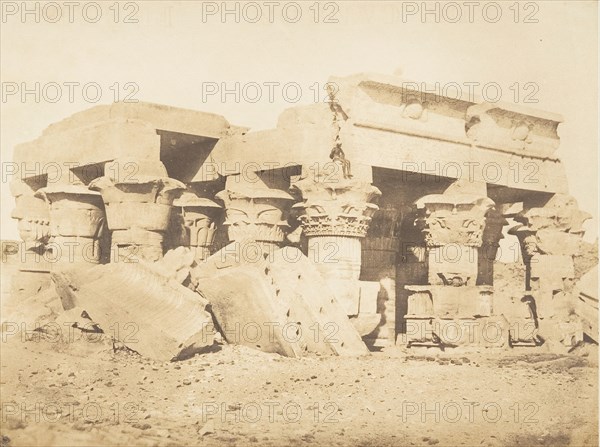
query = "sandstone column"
{"x": 77, "y": 224}
{"x": 138, "y": 196}
{"x": 256, "y": 210}
{"x": 550, "y": 236}
{"x": 335, "y": 213}
{"x": 33, "y": 216}
{"x": 199, "y": 215}
{"x": 453, "y": 227}
{"x": 447, "y": 310}
{"x": 492, "y": 234}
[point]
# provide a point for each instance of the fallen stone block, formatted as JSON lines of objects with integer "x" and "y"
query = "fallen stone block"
{"x": 34, "y": 311}
{"x": 235, "y": 254}
{"x": 25, "y": 284}
{"x": 586, "y": 305}
{"x": 175, "y": 264}
{"x": 242, "y": 304}
{"x": 280, "y": 304}
{"x": 365, "y": 323}
{"x": 150, "y": 314}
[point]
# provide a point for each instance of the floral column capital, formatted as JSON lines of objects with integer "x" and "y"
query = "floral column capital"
{"x": 452, "y": 219}
{"x": 335, "y": 206}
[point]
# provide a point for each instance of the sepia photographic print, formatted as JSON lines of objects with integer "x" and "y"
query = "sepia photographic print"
{"x": 299, "y": 223}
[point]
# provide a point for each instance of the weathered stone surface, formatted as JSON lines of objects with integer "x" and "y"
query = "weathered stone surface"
{"x": 411, "y": 131}
{"x": 452, "y": 332}
{"x": 513, "y": 128}
{"x": 150, "y": 314}
{"x": 278, "y": 304}
{"x": 138, "y": 212}
{"x": 376, "y": 130}
{"x": 32, "y": 213}
{"x": 256, "y": 208}
{"x": 175, "y": 264}
{"x": 77, "y": 224}
{"x": 560, "y": 213}
{"x": 198, "y": 216}
{"x": 422, "y": 132}
{"x": 452, "y": 225}
{"x": 108, "y": 132}
{"x": 335, "y": 213}
{"x": 335, "y": 206}
{"x": 586, "y": 306}
{"x": 33, "y": 311}
{"x": 550, "y": 236}
{"x": 25, "y": 283}
{"x": 453, "y": 219}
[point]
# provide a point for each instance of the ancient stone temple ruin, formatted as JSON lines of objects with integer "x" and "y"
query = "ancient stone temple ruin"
{"x": 380, "y": 210}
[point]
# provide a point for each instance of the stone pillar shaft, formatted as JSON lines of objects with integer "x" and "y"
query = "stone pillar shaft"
{"x": 335, "y": 213}
{"x": 452, "y": 225}
{"x": 550, "y": 237}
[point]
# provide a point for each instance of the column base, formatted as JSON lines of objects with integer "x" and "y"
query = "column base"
{"x": 455, "y": 332}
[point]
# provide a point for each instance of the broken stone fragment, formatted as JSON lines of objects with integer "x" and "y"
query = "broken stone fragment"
{"x": 149, "y": 313}
{"x": 33, "y": 311}
{"x": 279, "y": 303}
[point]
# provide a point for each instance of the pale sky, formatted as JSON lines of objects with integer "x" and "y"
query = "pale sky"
{"x": 172, "y": 54}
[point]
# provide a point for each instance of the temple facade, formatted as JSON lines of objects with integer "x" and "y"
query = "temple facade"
{"x": 399, "y": 198}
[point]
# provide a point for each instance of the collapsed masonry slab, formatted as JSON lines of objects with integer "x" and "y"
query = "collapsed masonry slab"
{"x": 586, "y": 305}
{"x": 152, "y": 315}
{"x": 275, "y": 301}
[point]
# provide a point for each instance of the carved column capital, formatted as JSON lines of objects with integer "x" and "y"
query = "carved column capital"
{"x": 198, "y": 216}
{"x": 452, "y": 219}
{"x": 32, "y": 213}
{"x": 335, "y": 207}
{"x": 138, "y": 211}
{"x": 335, "y": 213}
{"x": 554, "y": 229}
{"x": 560, "y": 213}
{"x": 256, "y": 214}
{"x": 77, "y": 223}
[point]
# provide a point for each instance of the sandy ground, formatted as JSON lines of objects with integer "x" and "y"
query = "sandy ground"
{"x": 84, "y": 392}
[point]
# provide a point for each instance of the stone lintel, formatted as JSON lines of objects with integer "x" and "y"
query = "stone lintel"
{"x": 384, "y": 101}
{"x": 272, "y": 149}
{"x": 442, "y": 157}
{"x": 108, "y": 132}
{"x": 96, "y": 143}
{"x": 158, "y": 116}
